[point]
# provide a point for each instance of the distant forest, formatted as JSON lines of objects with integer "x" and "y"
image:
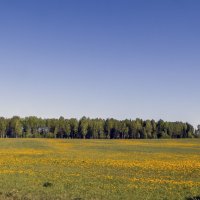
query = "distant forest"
{"x": 86, "y": 128}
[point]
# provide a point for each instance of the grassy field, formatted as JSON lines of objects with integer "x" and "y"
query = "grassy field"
{"x": 99, "y": 169}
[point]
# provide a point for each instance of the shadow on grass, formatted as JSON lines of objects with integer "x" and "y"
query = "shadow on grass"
{"x": 77, "y": 198}
{"x": 47, "y": 184}
{"x": 193, "y": 198}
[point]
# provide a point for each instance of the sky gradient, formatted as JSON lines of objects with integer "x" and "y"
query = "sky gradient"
{"x": 103, "y": 58}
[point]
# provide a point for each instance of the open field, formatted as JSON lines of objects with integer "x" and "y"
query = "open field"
{"x": 99, "y": 169}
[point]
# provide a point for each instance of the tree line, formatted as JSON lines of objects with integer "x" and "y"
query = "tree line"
{"x": 34, "y": 127}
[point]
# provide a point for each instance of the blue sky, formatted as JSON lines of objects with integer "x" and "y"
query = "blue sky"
{"x": 102, "y": 58}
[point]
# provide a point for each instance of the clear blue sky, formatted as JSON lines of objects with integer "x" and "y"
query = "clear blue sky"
{"x": 102, "y": 58}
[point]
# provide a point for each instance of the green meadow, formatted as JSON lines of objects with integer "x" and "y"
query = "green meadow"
{"x": 99, "y": 169}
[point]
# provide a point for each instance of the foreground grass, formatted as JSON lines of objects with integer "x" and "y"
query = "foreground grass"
{"x": 99, "y": 169}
